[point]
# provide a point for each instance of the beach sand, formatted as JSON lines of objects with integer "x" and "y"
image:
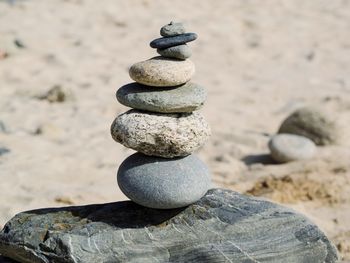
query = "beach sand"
{"x": 259, "y": 60}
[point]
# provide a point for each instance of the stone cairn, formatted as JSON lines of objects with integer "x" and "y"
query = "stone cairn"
{"x": 163, "y": 126}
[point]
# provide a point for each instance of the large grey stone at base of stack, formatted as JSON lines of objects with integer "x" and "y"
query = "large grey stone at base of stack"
{"x": 223, "y": 226}
{"x": 161, "y": 183}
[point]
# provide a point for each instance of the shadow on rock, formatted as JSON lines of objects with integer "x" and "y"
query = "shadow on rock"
{"x": 6, "y": 260}
{"x": 124, "y": 214}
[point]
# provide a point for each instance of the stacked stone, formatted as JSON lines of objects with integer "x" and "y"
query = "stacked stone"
{"x": 163, "y": 126}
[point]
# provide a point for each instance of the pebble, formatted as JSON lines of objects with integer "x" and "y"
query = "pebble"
{"x": 4, "y": 150}
{"x": 312, "y": 123}
{"x": 186, "y": 98}
{"x": 165, "y": 42}
{"x": 19, "y": 43}
{"x": 163, "y": 183}
{"x": 162, "y": 72}
{"x": 179, "y": 52}
{"x": 164, "y": 135}
{"x": 172, "y": 29}
{"x": 56, "y": 94}
{"x": 289, "y": 147}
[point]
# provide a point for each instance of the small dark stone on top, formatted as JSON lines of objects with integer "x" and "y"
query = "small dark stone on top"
{"x": 165, "y": 42}
{"x": 172, "y": 29}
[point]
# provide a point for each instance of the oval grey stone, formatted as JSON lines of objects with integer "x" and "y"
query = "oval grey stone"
{"x": 164, "y": 135}
{"x": 290, "y": 147}
{"x": 163, "y": 183}
{"x": 311, "y": 123}
{"x": 165, "y": 42}
{"x": 172, "y": 29}
{"x": 162, "y": 72}
{"x": 186, "y": 98}
{"x": 179, "y": 52}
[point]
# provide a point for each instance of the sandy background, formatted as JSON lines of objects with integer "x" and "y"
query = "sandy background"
{"x": 259, "y": 60}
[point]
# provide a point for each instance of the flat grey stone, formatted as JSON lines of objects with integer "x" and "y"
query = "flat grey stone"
{"x": 162, "y": 72}
{"x": 172, "y": 29}
{"x": 164, "y": 135}
{"x": 179, "y": 52}
{"x": 165, "y": 42}
{"x": 186, "y": 98}
{"x": 161, "y": 183}
{"x": 223, "y": 226}
{"x": 289, "y": 147}
{"x": 311, "y": 123}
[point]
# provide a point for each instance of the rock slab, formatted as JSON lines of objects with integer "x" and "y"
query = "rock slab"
{"x": 185, "y": 98}
{"x": 159, "y": 134}
{"x": 223, "y": 226}
{"x": 161, "y": 183}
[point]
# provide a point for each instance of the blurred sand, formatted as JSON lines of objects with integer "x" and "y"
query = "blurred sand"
{"x": 259, "y": 60}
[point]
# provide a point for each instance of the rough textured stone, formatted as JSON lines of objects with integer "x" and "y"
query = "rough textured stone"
{"x": 180, "y": 52}
{"x": 161, "y": 183}
{"x": 172, "y": 29}
{"x": 162, "y": 72}
{"x": 186, "y": 98}
{"x": 165, "y": 42}
{"x": 313, "y": 124}
{"x": 290, "y": 147}
{"x": 223, "y": 226}
{"x": 164, "y": 135}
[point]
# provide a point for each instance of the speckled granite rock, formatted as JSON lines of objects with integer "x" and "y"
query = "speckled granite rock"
{"x": 186, "y": 98}
{"x": 162, "y": 72}
{"x": 161, "y": 183}
{"x": 179, "y": 52}
{"x": 312, "y": 123}
{"x": 290, "y": 147}
{"x": 164, "y": 135}
{"x": 223, "y": 226}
